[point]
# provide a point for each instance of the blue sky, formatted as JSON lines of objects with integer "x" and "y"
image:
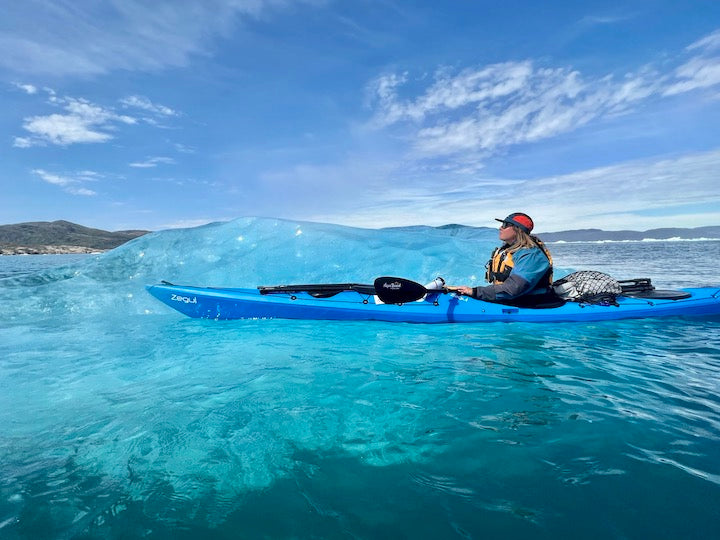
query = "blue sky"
{"x": 134, "y": 114}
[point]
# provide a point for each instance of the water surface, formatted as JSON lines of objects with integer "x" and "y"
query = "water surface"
{"x": 124, "y": 419}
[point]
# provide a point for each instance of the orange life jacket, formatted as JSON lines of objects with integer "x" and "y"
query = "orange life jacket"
{"x": 501, "y": 263}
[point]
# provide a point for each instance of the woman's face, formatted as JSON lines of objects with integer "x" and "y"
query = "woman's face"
{"x": 507, "y": 233}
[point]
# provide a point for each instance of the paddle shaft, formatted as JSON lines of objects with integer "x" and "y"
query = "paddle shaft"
{"x": 390, "y": 290}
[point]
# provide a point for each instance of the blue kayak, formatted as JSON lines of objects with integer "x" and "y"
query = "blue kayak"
{"x": 359, "y": 303}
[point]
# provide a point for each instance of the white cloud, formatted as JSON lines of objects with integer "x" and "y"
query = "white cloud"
{"x": 82, "y": 122}
{"x": 696, "y": 73}
{"x": 472, "y": 114}
{"x": 709, "y": 43}
{"x": 448, "y": 93}
{"x": 118, "y": 34}
{"x": 143, "y": 103}
{"x": 81, "y": 191}
{"x": 504, "y": 104}
{"x": 51, "y": 178}
{"x": 702, "y": 70}
{"x": 69, "y": 184}
{"x": 89, "y": 175}
{"x": 153, "y": 162}
{"x": 64, "y": 129}
{"x": 27, "y": 88}
{"x": 23, "y": 142}
{"x": 594, "y": 20}
{"x": 184, "y": 149}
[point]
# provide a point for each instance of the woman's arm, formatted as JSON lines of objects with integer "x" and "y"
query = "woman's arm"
{"x": 513, "y": 286}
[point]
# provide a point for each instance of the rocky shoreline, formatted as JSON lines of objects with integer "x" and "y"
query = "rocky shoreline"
{"x": 59, "y": 238}
{"x": 47, "y": 250}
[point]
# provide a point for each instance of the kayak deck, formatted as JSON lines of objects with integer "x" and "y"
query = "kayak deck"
{"x": 242, "y": 303}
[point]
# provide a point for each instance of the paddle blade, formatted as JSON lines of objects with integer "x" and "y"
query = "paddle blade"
{"x": 394, "y": 290}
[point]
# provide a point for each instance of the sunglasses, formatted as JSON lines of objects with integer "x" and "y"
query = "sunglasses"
{"x": 505, "y": 225}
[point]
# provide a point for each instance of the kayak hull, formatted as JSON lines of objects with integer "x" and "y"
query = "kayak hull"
{"x": 238, "y": 303}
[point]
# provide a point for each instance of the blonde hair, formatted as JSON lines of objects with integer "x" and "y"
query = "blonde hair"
{"x": 522, "y": 240}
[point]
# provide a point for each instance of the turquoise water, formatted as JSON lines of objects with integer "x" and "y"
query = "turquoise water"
{"x": 122, "y": 419}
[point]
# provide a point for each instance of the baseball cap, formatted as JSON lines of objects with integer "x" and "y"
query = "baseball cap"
{"x": 523, "y": 221}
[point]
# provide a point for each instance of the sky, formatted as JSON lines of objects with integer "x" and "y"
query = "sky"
{"x": 129, "y": 114}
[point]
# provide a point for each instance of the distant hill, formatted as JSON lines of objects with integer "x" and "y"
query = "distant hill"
{"x": 598, "y": 235}
{"x": 59, "y": 237}
{"x": 594, "y": 235}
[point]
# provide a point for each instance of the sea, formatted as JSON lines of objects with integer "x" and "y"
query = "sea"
{"x": 121, "y": 418}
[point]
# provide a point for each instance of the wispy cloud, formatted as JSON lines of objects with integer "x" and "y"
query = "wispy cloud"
{"x": 709, "y": 43}
{"x": 129, "y": 34}
{"x": 478, "y": 112}
{"x": 69, "y": 183}
{"x": 27, "y": 88}
{"x": 81, "y": 122}
{"x": 628, "y": 195}
{"x": 603, "y": 20}
{"x": 702, "y": 70}
{"x": 153, "y": 162}
{"x": 23, "y": 142}
{"x": 483, "y": 111}
{"x": 144, "y": 103}
{"x": 85, "y": 122}
{"x": 184, "y": 149}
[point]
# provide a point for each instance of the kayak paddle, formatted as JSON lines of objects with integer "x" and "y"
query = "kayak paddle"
{"x": 390, "y": 290}
{"x": 395, "y": 290}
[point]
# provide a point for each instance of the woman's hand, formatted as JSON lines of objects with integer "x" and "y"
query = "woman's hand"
{"x": 467, "y": 291}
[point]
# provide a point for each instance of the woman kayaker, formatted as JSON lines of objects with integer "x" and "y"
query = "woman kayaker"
{"x": 519, "y": 271}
